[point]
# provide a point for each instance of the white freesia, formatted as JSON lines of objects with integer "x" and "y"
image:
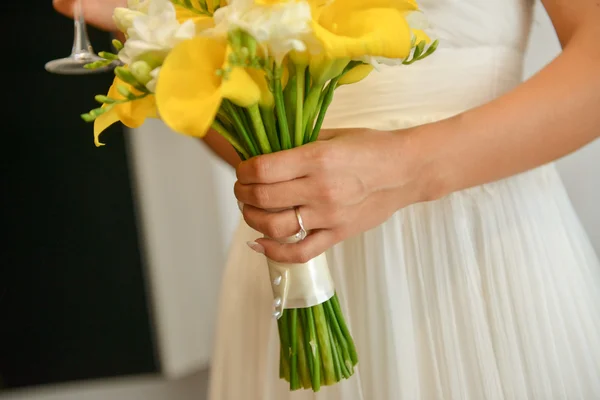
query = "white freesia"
{"x": 156, "y": 32}
{"x": 153, "y": 35}
{"x": 139, "y": 5}
{"x": 279, "y": 28}
{"x": 152, "y": 84}
{"x": 124, "y": 17}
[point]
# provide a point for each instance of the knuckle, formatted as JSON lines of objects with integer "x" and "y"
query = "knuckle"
{"x": 259, "y": 168}
{"x": 323, "y": 155}
{"x": 259, "y": 196}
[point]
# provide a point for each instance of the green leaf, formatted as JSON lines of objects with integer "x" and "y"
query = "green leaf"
{"x": 419, "y": 49}
{"x": 430, "y": 49}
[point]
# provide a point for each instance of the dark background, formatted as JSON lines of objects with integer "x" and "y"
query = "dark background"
{"x": 72, "y": 292}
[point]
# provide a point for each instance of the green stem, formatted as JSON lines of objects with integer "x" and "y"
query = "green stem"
{"x": 307, "y": 82}
{"x": 225, "y": 120}
{"x": 311, "y": 123}
{"x": 240, "y": 127}
{"x": 230, "y": 138}
{"x": 247, "y": 121}
{"x": 345, "y": 361}
{"x": 313, "y": 350}
{"x": 289, "y": 97}
{"x": 340, "y": 318}
{"x": 346, "y": 371}
{"x": 259, "y": 129}
{"x": 268, "y": 117}
{"x": 300, "y": 87}
{"x": 280, "y": 109}
{"x": 282, "y": 324}
{"x": 327, "y": 99}
{"x": 306, "y": 337}
{"x": 324, "y": 345}
{"x": 336, "y": 357}
{"x": 303, "y": 368}
{"x": 310, "y": 105}
{"x": 294, "y": 378}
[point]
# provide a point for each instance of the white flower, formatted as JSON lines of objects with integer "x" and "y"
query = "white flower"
{"x": 280, "y": 27}
{"x": 152, "y": 36}
{"x": 152, "y": 84}
{"x": 139, "y": 5}
{"x": 124, "y": 18}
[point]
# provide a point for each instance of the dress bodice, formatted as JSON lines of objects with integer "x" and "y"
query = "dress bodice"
{"x": 480, "y": 57}
{"x": 470, "y": 23}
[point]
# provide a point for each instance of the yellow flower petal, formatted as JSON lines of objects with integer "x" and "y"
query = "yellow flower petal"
{"x": 356, "y": 74}
{"x": 132, "y": 113}
{"x": 400, "y": 5}
{"x": 188, "y": 92}
{"x": 420, "y": 36}
{"x": 239, "y": 87}
{"x": 358, "y": 28}
{"x": 202, "y": 22}
{"x": 260, "y": 78}
{"x": 378, "y": 32}
{"x": 102, "y": 123}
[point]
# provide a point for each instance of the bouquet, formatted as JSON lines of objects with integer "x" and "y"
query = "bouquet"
{"x": 261, "y": 73}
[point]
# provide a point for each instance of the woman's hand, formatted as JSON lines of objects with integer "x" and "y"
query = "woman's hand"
{"x": 346, "y": 183}
{"x": 97, "y": 13}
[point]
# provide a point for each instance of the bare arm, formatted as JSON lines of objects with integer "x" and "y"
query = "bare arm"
{"x": 552, "y": 114}
{"x": 222, "y": 148}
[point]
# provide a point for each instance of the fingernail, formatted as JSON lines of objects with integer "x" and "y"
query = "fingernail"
{"x": 240, "y": 206}
{"x": 257, "y": 247}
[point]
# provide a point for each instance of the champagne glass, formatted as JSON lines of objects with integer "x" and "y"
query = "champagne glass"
{"x": 82, "y": 52}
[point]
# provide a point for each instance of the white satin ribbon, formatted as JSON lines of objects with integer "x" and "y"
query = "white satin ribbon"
{"x": 300, "y": 285}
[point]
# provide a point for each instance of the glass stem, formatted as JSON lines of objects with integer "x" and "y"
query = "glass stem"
{"x": 81, "y": 42}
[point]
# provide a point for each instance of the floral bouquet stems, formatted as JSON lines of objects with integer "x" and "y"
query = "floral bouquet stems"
{"x": 261, "y": 73}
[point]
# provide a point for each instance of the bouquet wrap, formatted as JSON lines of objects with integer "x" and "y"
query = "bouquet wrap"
{"x": 262, "y": 74}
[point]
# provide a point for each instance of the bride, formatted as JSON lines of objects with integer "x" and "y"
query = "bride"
{"x": 462, "y": 268}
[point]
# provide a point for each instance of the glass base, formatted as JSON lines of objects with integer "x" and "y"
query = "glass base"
{"x": 74, "y": 65}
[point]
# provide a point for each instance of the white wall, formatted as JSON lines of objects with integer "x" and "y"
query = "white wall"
{"x": 198, "y": 218}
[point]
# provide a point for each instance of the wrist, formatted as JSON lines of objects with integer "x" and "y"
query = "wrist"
{"x": 424, "y": 174}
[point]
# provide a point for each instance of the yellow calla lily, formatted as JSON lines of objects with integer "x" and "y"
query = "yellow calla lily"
{"x": 356, "y": 74}
{"x": 420, "y": 36}
{"x": 132, "y": 113}
{"x": 266, "y": 96}
{"x": 190, "y": 89}
{"x": 357, "y": 28}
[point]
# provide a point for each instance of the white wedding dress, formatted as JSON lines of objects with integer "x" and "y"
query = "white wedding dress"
{"x": 489, "y": 293}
